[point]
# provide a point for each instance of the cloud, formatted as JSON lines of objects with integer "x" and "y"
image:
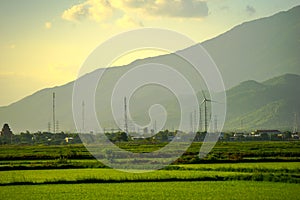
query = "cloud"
{"x": 48, "y": 25}
{"x": 118, "y": 11}
{"x": 250, "y": 10}
{"x": 170, "y": 8}
{"x": 96, "y": 10}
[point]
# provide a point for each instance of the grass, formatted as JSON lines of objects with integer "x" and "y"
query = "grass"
{"x": 18, "y": 157}
{"x": 287, "y": 167}
{"x": 276, "y": 172}
{"x": 222, "y": 150}
{"x": 101, "y": 175}
{"x": 162, "y": 190}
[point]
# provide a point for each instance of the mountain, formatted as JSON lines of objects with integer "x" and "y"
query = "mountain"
{"x": 270, "y": 104}
{"x": 257, "y": 50}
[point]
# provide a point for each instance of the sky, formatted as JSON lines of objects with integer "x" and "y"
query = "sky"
{"x": 43, "y": 43}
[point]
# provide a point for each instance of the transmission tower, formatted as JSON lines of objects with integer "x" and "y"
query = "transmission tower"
{"x": 125, "y": 115}
{"x": 53, "y": 114}
{"x": 83, "y": 116}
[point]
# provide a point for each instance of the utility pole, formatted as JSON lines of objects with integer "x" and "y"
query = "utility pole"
{"x": 295, "y": 129}
{"x": 216, "y": 124}
{"x": 49, "y": 127}
{"x": 195, "y": 120}
{"x": 242, "y": 124}
{"x": 191, "y": 121}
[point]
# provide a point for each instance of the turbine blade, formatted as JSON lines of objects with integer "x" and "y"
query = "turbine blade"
{"x": 216, "y": 101}
{"x": 203, "y": 94}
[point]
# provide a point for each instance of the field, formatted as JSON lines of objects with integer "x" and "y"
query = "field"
{"x": 156, "y": 190}
{"x": 77, "y": 156}
{"x": 258, "y": 170}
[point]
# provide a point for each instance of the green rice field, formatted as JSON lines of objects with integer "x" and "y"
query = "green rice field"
{"x": 69, "y": 172}
{"x": 156, "y": 190}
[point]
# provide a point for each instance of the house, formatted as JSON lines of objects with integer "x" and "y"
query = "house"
{"x": 295, "y": 136}
{"x": 266, "y": 133}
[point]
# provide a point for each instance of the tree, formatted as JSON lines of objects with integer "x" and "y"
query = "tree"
{"x": 6, "y": 132}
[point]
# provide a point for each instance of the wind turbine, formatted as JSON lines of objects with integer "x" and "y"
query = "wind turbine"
{"x": 205, "y": 109}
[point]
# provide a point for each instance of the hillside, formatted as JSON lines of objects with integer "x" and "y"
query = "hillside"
{"x": 258, "y": 50}
{"x": 270, "y": 104}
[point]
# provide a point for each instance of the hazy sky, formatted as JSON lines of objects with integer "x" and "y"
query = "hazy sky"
{"x": 43, "y": 43}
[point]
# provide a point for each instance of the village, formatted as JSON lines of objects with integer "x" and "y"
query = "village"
{"x": 116, "y": 135}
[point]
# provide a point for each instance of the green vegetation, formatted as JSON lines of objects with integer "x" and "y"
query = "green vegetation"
{"x": 232, "y": 170}
{"x": 76, "y": 156}
{"x": 277, "y": 172}
{"x": 105, "y": 175}
{"x": 154, "y": 190}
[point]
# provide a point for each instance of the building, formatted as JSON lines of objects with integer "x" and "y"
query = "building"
{"x": 265, "y": 133}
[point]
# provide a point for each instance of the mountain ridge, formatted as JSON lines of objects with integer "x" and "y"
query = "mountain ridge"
{"x": 280, "y": 99}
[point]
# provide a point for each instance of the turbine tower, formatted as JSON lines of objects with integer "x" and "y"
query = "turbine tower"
{"x": 205, "y": 110}
{"x": 200, "y": 119}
